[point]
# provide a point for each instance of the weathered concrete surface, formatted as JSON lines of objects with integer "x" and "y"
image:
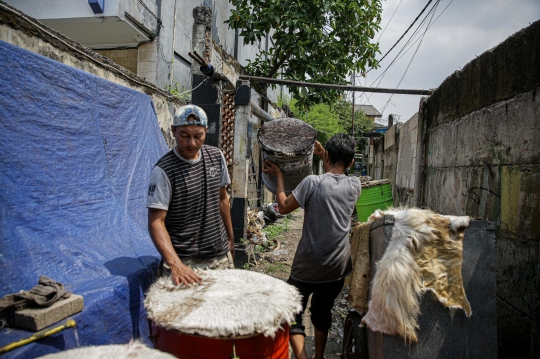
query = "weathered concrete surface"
{"x": 391, "y": 155}
{"x": 497, "y": 75}
{"x": 408, "y": 163}
{"x": 52, "y": 44}
{"x": 481, "y": 157}
{"x": 39, "y": 318}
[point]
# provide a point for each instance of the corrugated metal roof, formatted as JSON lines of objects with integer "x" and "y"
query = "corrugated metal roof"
{"x": 369, "y": 110}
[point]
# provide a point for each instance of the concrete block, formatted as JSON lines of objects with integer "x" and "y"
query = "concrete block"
{"x": 106, "y": 53}
{"x": 145, "y": 67}
{"x": 413, "y": 122}
{"x": 37, "y": 319}
{"x": 133, "y": 53}
{"x": 414, "y": 135}
{"x": 147, "y": 56}
{"x": 119, "y": 53}
{"x": 149, "y": 76}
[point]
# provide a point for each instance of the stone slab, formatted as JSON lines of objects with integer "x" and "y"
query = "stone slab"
{"x": 37, "y": 319}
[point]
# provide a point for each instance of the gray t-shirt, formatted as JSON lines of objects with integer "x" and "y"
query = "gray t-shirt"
{"x": 162, "y": 194}
{"x": 324, "y": 252}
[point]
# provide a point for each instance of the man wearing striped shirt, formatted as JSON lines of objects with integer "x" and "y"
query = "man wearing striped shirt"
{"x": 189, "y": 216}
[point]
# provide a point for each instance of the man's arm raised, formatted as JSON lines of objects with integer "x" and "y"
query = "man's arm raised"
{"x": 286, "y": 204}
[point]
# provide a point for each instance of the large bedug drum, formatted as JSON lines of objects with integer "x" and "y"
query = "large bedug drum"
{"x": 288, "y": 142}
{"x": 234, "y": 312}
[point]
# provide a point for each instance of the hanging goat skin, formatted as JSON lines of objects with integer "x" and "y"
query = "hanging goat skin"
{"x": 424, "y": 253}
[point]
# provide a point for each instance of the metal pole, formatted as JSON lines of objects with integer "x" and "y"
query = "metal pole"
{"x": 334, "y": 87}
{"x": 352, "y": 125}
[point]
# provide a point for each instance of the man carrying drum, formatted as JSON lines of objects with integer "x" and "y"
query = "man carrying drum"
{"x": 323, "y": 258}
{"x": 189, "y": 216}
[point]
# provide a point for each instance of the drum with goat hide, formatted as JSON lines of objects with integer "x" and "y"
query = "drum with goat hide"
{"x": 233, "y": 314}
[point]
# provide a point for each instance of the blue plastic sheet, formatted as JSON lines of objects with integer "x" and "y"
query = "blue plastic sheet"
{"x": 76, "y": 153}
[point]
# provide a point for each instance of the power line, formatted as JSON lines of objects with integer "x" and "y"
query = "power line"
{"x": 412, "y": 58}
{"x": 381, "y": 76}
{"x": 433, "y": 22}
{"x": 411, "y": 45}
{"x": 421, "y": 12}
{"x": 406, "y": 44}
{"x": 389, "y": 21}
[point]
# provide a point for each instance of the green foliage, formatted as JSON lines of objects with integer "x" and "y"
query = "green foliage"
{"x": 274, "y": 230}
{"x": 362, "y": 123}
{"x": 322, "y": 118}
{"x": 182, "y": 93}
{"x": 315, "y": 40}
{"x": 283, "y": 100}
{"x": 275, "y": 267}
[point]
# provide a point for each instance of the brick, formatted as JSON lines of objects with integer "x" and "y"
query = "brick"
{"x": 37, "y": 319}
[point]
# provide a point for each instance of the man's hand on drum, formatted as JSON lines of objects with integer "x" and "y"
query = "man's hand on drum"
{"x": 318, "y": 149}
{"x": 181, "y": 273}
{"x": 271, "y": 168}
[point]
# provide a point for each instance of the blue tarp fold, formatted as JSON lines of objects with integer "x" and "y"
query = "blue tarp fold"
{"x": 76, "y": 153}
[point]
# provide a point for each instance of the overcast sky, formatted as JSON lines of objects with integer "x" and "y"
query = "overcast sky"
{"x": 465, "y": 30}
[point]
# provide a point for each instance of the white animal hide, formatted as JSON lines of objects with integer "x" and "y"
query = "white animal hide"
{"x": 133, "y": 350}
{"x": 398, "y": 281}
{"x": 229, "y": 303}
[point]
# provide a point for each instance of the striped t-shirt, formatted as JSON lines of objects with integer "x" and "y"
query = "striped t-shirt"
{"x": 189, "y": 191}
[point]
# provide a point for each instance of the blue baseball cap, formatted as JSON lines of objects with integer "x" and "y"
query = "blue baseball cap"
{"x": 190, "y": 115}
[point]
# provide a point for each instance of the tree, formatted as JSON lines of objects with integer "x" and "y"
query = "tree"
{"x": 362, "y": 123}
{"x": 321, "y": 117}
{"x": 314, "y": 40}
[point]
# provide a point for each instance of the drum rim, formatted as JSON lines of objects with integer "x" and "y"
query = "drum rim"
{"x": 302, "y": 151}
{"x": 246, "y": 336}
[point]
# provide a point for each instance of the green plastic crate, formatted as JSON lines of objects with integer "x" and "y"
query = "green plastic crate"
{"x": 373, "y": 198}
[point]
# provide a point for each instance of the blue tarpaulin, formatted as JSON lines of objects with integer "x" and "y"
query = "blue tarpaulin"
{"x": 76, "y": 152}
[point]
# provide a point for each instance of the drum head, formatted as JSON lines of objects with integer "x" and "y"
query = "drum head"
{"x": 287, "y": 136}
{"x": 230, "y": 303}
{"x": 133, "y": 350}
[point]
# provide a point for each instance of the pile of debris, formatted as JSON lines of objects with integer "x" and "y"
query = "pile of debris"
{"x": 257, "y": 241}
{"x": 370, "y": 183}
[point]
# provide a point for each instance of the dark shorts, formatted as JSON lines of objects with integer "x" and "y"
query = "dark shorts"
{"x": 322, "y": 302}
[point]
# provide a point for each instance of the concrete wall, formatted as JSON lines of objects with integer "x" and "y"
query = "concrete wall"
{"x": 128, "y": 58}
{"x": 474, "y": 149}
{"x": 391, "y": 151}
{"x": 54, "y": 45}
{"x": 408, "y": 163}
{"x": 481, "y": 158}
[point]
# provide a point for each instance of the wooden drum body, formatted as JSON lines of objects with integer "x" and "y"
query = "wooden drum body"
{"x": 186, "y": 346}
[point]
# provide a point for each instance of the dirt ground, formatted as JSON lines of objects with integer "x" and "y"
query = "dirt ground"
{"x": 278, "y": 264}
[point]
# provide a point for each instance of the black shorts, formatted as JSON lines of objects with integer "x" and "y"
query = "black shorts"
{"x": 322, "y": 302}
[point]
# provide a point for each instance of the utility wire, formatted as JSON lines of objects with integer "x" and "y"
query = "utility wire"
{"x": 416, "y": 31}
{"x": 421, "y": 12}
{"x": 412, "y": 58}
{"x": 381, "y": 76}
{"x": 433, "y": 22}
{"x": 389, "y": 21}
